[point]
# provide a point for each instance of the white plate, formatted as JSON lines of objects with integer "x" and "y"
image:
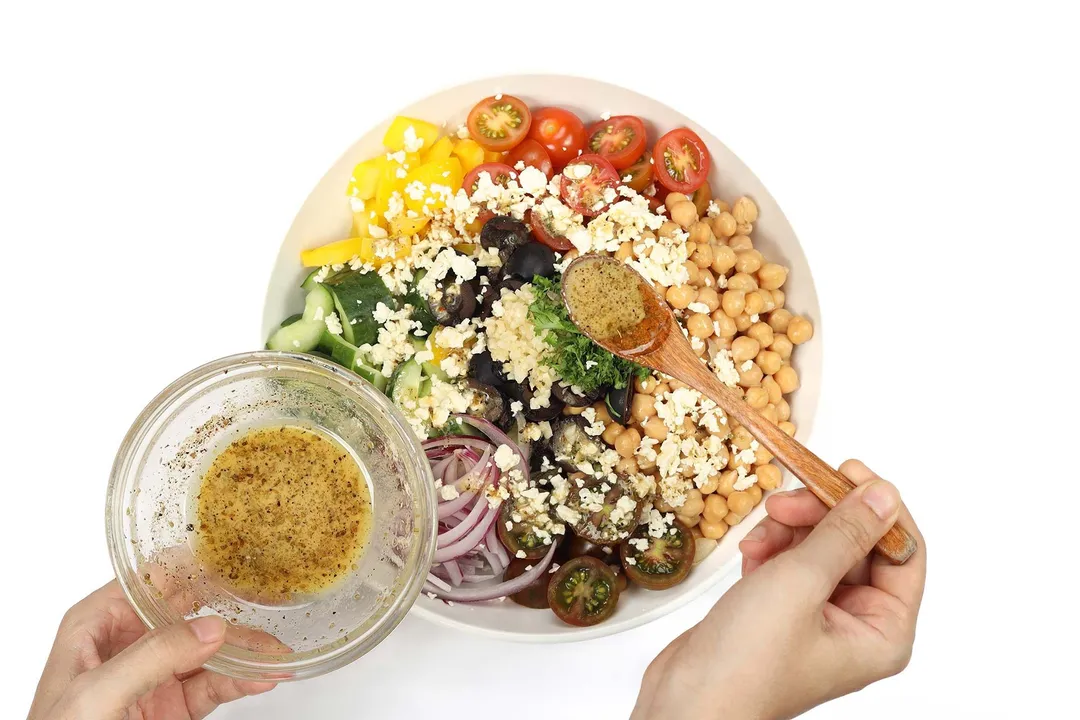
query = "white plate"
{"x": 325, "y": 217}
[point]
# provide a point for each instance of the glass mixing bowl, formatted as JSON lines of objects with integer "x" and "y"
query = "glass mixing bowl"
{"x": 150, "y": 512}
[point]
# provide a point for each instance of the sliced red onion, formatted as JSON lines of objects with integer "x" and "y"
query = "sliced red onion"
{"x": 448, "y": 508}
{"x": 491, "y": 540}
{"x": 459, "y": 531}
{"x": 496, "y": 436}
{"x": 480, "y": 471}
{"x": 435, "y": 582}
{"x": 490, "y": 592}
{"x": 496, "y": 563}
{"x": 472, "y": 539}
{"x": 453, "y": 571}
{"x": 469, "y": 578}
{"x": 456, "y": 441}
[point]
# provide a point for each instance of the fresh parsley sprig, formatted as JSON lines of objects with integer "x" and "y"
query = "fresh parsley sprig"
{"x": 577, "y": 359}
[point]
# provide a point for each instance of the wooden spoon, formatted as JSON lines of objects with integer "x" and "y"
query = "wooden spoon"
{"x": 657, "y": 342}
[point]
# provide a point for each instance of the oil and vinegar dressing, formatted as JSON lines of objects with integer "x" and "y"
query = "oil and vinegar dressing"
{"x": 282, "y": 511}
{"x": 613, "y": 305}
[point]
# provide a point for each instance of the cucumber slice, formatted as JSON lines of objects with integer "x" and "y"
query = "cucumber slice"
{"x": 309, "y": 281}
{"x": 430, "y": 367}
{"x": 290, "y": 320}
{"x": 318, "y": 298}
{"x": 405, "y": 382}
{"x": 300, "y": 336}
{"x": 348, "y": 355}
{"x": 355, "y": 298}
{"x": 421, "y": 312}
{"x": 372, "y": 375}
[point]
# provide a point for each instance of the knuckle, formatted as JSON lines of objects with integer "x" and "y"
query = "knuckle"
{"x": 851, "y": 532}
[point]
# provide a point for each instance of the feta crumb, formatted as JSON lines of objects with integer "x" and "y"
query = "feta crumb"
{"x": 448, "y": 492}
{"x": 333, "y": 324}
{"x": 605, "y": 116}
{"x": 519, "y": 554}
{"x": 505, "y": 458}
{"x": 745, "y": 367}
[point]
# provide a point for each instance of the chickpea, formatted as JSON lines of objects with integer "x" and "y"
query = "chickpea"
{"x": 680, "y": 296}
{"x": 722, "y": 205}
{"x": 743, "y": 322}
{"x": 732, "y": 302}
{"x": 694, "y": 504}
{"x": 612, "y": 432}
{"x": 693, "y": 272}
{"x": 572, "y": 410}
{"x": 708, "y": 297}
{"x": 757, "y": 397}
{"x": 761, "y": 332}
{"x": 642, "y": 406}
{"x": 762, "y": 455}
{"x": 779, "y": 320}
{"x": 699, "y": 346}
{"x": 645, "y": 384}
{"x": 768, "y": 304}
{"x": 749, "y": 261}
{"x": 716, "y": 508}
{"x": 703, "y": 256}
{"x": 626, "y": 444}
{"x": 733, "y": 519}
{"x": 775, "y": 394}
{"x": 742, "y": 281}
{"x": 740, "y": 242}
{"x": 602, "y": 414}
{"x": 787, "y": 379}
{"x": 769, "y": 412}
{"x": 744, "y": 210}
{"x": 779, "y": 298}
{"x": 788, "y": 428}
{"x": 769, "y": 361}
{"x": 570, "y": 254}
{"x": 743, "y": 349}
{"x": 656, "y": 429}
{"x": 668, "y": 229}
{"x": 752, "y": 377}
{"x": 689, "y": 521}
{"x": 676, "y": 384}
{"x": 768, "y": 477}
{"x": 701, "y": 233}
{"x": 684, "y": 213}
{"x": 662, "y": 505}
{"x": 725, "y": 323}
{"x": 783, "y": 410}
{"x": 625, "y": 251}
{"x": 661, "y": 389}
{"x": 705, "y": 279}
{"x": 710, "y": 485}
{"x": 755, "y": 303}
{"x": 744, "y": 228}
{"x": 740, "y": 502}
{"x": 646, "y": 466}
{"x": 724, "y": 225}
{"x": 673, "y": 199}
{"x": 723, "y": 259}
{"x": 755, "y": 493}
{"x": 799, "y": 330}
{"x": 626, "y": 466}
{"x": 782, "y": 346}
{"x": 772, "y": 276}
{"x": 713, "y": 530}
{"x": 726, "y": 485}
{"x": 699, "y": 325}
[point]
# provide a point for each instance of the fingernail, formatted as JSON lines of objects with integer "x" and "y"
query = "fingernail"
{"x": 756, "y": 535}
{"x": 882, "y": 498}
{"x": 208, "y": 629}
{"x": 788, "y": 493}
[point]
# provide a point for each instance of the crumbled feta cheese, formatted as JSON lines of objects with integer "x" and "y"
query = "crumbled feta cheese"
{"x": 412, "y": 142}
{"x": 698, "y": 307}
{"x": 745, "y": 367}
{"x": 519, "y": 554}
{"x": 333, "y": 324}
{"x": 506, "y": 458}
{"x": 516, "y": 407}
{"x": 448, "y": 492}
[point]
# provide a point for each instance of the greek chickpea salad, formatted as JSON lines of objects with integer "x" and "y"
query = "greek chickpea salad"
{"x": 565, "y": 475}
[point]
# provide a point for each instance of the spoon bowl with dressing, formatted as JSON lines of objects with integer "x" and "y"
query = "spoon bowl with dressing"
{"x": 621, "y": 312}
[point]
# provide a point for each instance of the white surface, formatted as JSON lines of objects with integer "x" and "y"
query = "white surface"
{"x": 326, "y": 216}
{"x": 927, "y": 158}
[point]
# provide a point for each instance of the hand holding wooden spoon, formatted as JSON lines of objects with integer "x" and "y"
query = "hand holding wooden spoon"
{"x": 620, "y": 311}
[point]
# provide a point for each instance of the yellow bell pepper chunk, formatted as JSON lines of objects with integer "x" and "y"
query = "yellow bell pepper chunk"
{"x": 493, "y": 156}
{"x": 371, "y": 251}
{"x": 439, "y": 151}
{"x": 439, "y": 180}
{"x": 366, "y": 219}
{"x": 438, "y": 351}
{"x": 405, "y": 133}
{"x": 470, "y": 153}
{"x": 405, "y": 226}
{"x": 365, "y": 177}
{"x": 333, "y": 253}
{"x": 465, "y": 248}
{"x": 391, "y": 180}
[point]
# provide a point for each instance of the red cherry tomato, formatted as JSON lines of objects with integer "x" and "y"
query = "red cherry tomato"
{"x": 540, "y": 223}
{"x": 583, "y": 591}
{"x": 681, "y": 161}
{"x": 621, "y": 139}
{"x": 500, "y": 175}
{"x": 640, "y": 173}
{"x": 583, "y": 182}
{"x": 532, "y": 154}
{"x": 499, "y": 122}
{"x": 560, "y": 131}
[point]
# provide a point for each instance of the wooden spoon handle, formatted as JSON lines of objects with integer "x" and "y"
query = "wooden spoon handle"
{"x": 829, "y": 485}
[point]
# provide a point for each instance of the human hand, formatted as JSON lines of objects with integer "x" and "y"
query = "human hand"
{"x": 105, "y": 665}
{"x": 816, "y": 615}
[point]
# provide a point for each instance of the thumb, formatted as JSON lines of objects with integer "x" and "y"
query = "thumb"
{"x": 154, "y": 659}
{"x": 849, "y": 532}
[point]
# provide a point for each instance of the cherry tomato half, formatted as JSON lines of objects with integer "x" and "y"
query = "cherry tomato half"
{"x": 532, "y": 154}
{"x": 578, "y": 546}
{"x": 681, "y": 161}
{"x": 583, "y": 182}
{"x": 664, "y": 563}
{"x": 597, "y": 526}
{"x": 583, "y": 592}
{"x": 500, "y": 175}
{"x": 499, "y": 122}
{"x": 640, "y": 173}
{"x": 561, "y": 132}
{"x": 621, "y": 139}
{"x": 540, "y": 223}
{"x": 535, "y": 596}
{"x": 521, "y": 537}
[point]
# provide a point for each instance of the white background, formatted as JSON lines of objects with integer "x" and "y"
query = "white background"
{"x": 152, "y": 157}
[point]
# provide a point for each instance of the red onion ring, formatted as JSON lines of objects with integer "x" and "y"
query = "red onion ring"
{"x": 490, "y": 592}
{"x": 447, "y": 508}
{"x": 491, "y": 540}
{"x": 497, "y": 436}
{"x": 454, "y": 572}
{"x": 472, "y": 539}
{"x": 461, "y": 529}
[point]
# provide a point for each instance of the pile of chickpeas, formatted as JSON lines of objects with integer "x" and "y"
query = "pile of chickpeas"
{"x": 720, "y": 247}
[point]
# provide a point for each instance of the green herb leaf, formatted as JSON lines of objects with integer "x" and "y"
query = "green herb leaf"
{"x": 577, "y": 359}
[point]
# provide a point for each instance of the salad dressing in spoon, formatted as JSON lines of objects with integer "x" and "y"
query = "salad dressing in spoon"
{"x": 620, "y": 311}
